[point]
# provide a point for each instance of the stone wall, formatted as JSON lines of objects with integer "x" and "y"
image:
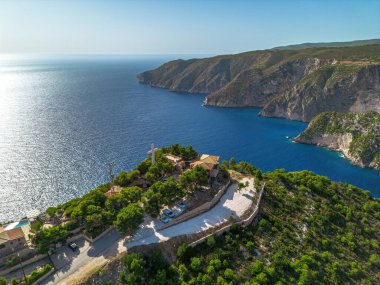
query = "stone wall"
{"x": 246, "y": 222}
{"x": 199, "y": 210}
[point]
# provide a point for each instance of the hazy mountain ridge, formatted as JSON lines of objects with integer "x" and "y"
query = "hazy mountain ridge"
{"x": 296, "y": 84}
{"x": 330, "y": 44}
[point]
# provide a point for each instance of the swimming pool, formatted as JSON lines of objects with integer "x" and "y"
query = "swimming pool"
{"x": 23, "y": 222}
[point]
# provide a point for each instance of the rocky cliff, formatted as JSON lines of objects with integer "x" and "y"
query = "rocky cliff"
{"x": 355, "y": 135}
{"x": 293, "y": 84}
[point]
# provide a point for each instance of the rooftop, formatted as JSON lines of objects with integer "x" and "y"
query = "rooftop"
{"x": 173, "y": 158}
{"x": 114, "y": 190}
{"x": 11, "y": 235}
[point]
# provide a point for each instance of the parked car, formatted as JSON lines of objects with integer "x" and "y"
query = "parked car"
{"x": 181, "y": 204}
{"x": 169, "y": 213}
{"x": 73, "y": 246}
{"x": 165, "y": 219}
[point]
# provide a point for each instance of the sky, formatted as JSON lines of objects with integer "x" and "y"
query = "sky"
{"x": 180, "y": 26}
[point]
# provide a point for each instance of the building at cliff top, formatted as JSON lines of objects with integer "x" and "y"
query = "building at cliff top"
{"x": 176, "y": 161}
{"x": 208, "y": 162}
{"x": 13, "y": 240}
{"x": 115, "y": 189}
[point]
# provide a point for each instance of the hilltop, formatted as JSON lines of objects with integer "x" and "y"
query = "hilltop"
{"x": 235, "y": 225}
{"x": 331, "y": 44}
{"x": 357, "y": 136}
{"x": 310, "y": 231}
{"x": 294, "y": 83}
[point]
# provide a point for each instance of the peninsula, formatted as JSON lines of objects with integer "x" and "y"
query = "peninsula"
{"x": 294, "y": 82}
{"x": 356, "y": 136}
{"x": 184, "y": 218}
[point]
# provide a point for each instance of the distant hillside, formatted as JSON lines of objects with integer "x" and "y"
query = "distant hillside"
{"x": 332, "y": 44}
{"x": 293, "y": 84}
{"x": 357, "y": 136}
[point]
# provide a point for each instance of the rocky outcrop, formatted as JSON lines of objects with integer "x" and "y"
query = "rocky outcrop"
{"x": 341, "y": 87}
{"x": 292, "y": 84}
{"x": 355, "y": 135}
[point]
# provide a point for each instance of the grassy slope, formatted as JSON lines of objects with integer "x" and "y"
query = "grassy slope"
{"x": 310, "y": 231}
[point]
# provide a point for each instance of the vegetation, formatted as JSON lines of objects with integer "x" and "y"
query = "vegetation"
{"x": 49, "y": 236}
{"x": 310, "y": 231}
{"x": 295, "y": 84}
{"x": 31, "y": 278}
{"x": 11, "y": 261}
{"x": 363, "y": 128}
{"x": 129, "y": 218}
{"x": 94, "y": 212}
{"x": 186, "y": 153}
{"x": 193, "y": 179}
{"x": 37, "y": 274}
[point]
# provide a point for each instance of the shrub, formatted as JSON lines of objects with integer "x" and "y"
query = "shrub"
{"x": 210, "y": 241}
{"x": 183, "y": 252}
{"x": 51, "y": 211}
{"x": 37, "y": 273}
{"x": 129, "y": 218}
{"x": 195, "y": 264}
{"x": 13, "y": 260}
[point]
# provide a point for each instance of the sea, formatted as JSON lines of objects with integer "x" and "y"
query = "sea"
{"x": 65, "y": 118}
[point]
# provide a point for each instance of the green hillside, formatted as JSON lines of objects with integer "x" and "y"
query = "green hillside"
{"x": 295, "y": 84}
{"x": 310, "y": 231}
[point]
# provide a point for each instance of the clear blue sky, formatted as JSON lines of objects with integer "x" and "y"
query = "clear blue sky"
{"x": 175, "y": 27}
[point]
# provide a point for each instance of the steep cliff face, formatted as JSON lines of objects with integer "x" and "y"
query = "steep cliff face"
{"x": 257, "y": 87}
{"x": 200, "y": 75}
{"x": 341, "y": 87}
{"x": 355, "y": 135}
{"x": 291, "y": 84}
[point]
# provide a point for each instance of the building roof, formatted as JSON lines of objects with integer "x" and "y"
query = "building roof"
{"x": 206, "y": 161}
{"x": 173, "y": 158}
{"x": 205, "y": 165}
{"x": 11, "y": 235}
{"x": 15, "y": 233}
{"x": 210, "y": 158}
{"x": 114, "y": 190}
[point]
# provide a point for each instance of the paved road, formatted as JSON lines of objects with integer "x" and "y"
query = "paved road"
{"x": 233, "y": 203}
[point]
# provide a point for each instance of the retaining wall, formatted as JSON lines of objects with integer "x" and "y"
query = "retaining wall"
{"x": 24, "y": 263}
{"x": 42, "y": 278}
{"x": 243, "y": 223}
{"x": 199, "y": 210}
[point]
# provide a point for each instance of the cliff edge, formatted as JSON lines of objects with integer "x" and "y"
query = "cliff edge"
{"x": 294, "y": 84}
{"x": 355, "y": 135}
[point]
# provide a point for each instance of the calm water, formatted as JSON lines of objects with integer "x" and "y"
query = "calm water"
{"x": 63, "y": 120}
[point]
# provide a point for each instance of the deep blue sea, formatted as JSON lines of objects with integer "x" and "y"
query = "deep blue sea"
{"x": 63, "y": 119}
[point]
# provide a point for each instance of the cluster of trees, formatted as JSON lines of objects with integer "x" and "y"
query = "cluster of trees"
{"x": 95, "y": 212}
{"x": 187, "y": 153}
{"x": 193, "y": 179}
{"x": 310, "y": 231}
{"x": 242, "y": 167}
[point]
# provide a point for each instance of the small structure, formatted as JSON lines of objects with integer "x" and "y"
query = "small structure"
{"x": 208, "y": 162}
{"x": 152, "y": 152}
{"x": 13, "y": 239}
{"x": 115, "y": 189}
{"x": 176, "y": 161}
